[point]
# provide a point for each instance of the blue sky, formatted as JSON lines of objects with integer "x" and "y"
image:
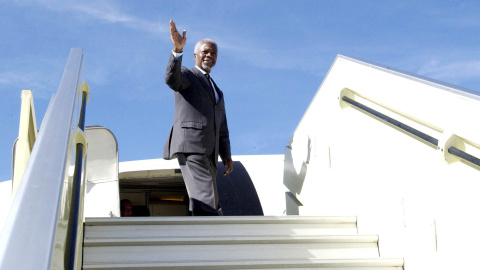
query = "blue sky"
{"x": 273, "y": 56}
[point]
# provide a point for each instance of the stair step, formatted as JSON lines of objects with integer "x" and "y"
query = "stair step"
{"x": 350, "y": 264}
{"x": 243, "y": 248}
{"x": 238, "y": 240}
{"x": 226, "y": 226}
{"x": 246, "y": 242}
{"x": 119, "y": 221}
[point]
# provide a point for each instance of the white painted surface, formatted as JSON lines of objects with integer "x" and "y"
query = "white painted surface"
{"x": 288, "y": 242}
{"x": 266, "y": 172}
{"x": 147, "y": 165}
{"x": 280, "y": 264}
{"x": 154, "y": 227}
{"x": 345, "y": 162}
{"x": 5, "y": 201}
{"x": 102, "y": 193}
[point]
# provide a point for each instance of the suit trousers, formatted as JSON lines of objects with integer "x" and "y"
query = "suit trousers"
{"x": 199, "y": 174}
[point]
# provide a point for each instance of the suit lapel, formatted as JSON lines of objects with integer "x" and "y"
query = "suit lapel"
{"x": 205, "y": 82}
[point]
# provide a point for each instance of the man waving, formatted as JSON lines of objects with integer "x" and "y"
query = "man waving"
{"x": 200, "y": 131}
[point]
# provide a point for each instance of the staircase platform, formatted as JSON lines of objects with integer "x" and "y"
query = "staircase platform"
{"x": 350, "y": 264}
{"x": 218, "y": 226}
{"x": 247, "y": 242}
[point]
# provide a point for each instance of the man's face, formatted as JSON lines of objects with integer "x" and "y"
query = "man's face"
{"x": 206, "y": 57}
{"x": 126, "y": 209}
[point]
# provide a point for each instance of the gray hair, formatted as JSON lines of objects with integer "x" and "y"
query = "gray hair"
{"x": 203, "y": 41}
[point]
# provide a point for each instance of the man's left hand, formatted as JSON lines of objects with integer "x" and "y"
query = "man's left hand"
{"x": 227, "y": 162}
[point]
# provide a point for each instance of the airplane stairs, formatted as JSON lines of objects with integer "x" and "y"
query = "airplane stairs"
{"x": 246, "y": 242}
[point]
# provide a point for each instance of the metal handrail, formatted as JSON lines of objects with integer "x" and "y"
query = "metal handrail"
{"x": 425, "y": 137}
{"x": 39, "y": 225}
{"x": 407, "y": 128}
{"x": 465, "y": 156}
{"x": 78, "y": 178}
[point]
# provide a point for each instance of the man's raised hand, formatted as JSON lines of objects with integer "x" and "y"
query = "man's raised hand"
{"x": 177, "y": 40}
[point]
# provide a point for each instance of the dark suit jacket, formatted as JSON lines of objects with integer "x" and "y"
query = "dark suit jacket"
{"x": 199, "y": 125}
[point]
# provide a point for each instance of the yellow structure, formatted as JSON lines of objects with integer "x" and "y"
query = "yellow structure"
{"x": 27, "y": 134}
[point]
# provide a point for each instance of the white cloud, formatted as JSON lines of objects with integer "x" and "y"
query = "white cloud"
{"x": 110, "y": 14}
{"x": 103, "y": 11}
{"x": 30, "y": 74}
{"x": 453, "y": 70}
{"x": 265, "y": 57}
{"x": 17, "y": 78}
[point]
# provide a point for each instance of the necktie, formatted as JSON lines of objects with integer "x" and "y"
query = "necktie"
{"x": 215, "y": 94}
